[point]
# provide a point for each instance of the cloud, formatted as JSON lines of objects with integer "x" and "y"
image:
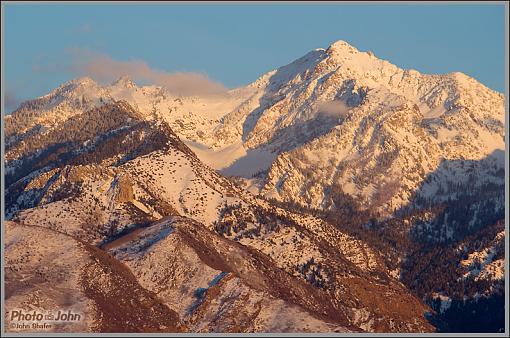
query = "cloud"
{"x": 103, "y": 68}
{"x": 335, "y": 108}
{"x": 11, "y": 101}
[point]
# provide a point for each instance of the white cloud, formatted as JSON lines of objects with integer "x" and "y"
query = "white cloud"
{"x": 104, "y": 68}
{"x": 335, "y": 108}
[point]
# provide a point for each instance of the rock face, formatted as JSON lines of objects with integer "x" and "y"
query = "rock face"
{"x": 352, "y": 171}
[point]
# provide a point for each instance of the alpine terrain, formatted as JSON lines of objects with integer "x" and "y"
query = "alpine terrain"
{"x": 338, "y": 193}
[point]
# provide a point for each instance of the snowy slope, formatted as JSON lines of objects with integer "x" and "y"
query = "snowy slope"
{"x": 207, "y": 299}
{"x": 398, "y": 127}
{"x": 47, "y": 271}
{"x": 114, "y": 185}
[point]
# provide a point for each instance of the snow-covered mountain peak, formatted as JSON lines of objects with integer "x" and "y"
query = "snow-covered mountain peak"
{"x": 83, "y": 89}
{"x": 341, "y": 46}
{"x": 343, "y": 51}
{"x": 84, "y": 80}
{"x": 382, "y": 153}
{"x": 71, "y": 86}
{"x": 80, "y": 82}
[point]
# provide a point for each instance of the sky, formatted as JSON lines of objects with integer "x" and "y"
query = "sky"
{"x": 231, "y": 45}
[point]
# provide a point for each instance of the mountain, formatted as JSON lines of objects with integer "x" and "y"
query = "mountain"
{"x": 116, "y": 174}
{"x": 319, "y": 192}
{"x": 367, "y": 126}
{"x": 339, "y": 111}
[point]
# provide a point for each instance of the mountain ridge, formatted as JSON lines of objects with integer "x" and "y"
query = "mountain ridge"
{"x": 349, "y": 170}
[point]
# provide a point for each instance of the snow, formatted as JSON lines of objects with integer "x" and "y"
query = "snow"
{"x": 362, "y": 318}
{"x": 186, "y": 184}
{"x": 382, "y": 142}
{"x": 217, "y": 158}
{"x": 494, "y": 270}
{"x": 457, "y": 119}
{"x": 233, "y": 160}
{"x": 251, "y": 163}
{"x": 144, "y": 244}
{"x": 42, "y": 273}
{"x": 145, "y": 209}
{"x": 445, "y": 302}
{"x": 432, "y": 113}
{"x": 492, "y": 143}
{"x": 482, "y": 265}
{"x": 179, "y": 272}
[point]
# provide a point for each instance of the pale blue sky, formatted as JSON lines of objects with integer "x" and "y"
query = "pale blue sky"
{"x": 234, "y": 44}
